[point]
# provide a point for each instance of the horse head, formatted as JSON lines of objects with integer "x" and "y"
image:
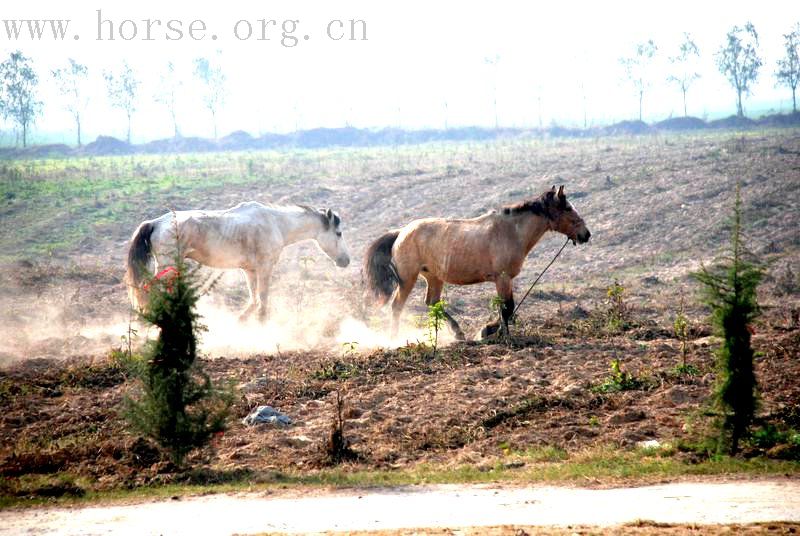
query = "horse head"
{"x": 564, "y": 218}
{"x": 330, "y": 239}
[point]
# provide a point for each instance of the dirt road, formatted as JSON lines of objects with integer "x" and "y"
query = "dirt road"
{"x": 437, "y": 506}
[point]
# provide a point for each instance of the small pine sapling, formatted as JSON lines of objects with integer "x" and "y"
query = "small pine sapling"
{"x": 177, "y": 406}
{"x": 680, "y": 326}
{"x": 730, "y": 291}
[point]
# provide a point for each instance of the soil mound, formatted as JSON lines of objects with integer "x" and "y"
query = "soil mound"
{"x": 681, "y": 123}
{"x": 236, "y": 141}
{"x": 780, "y": 120}
{"x": 733, "y": 121}
{"x": 627, "y": 127}
{"x": 270, "y": 140}
{"x": 356, "y": 137}
{"x": 325, "y": 137}
{"x": 108, "y": 145}
{"x": 179, "y": 145}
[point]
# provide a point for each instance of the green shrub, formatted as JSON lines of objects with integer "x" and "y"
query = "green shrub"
{"x": 132, "y": 364}
{"x": 617, "y": 309}
{"x": 768, "y": 436}
{"x": 436, "y": 319}
{"x": 620, "y": 380}
{"x": 686, "y": 370}
{"x": 730, "y": 291}
{"x": 681, "y": 328}
{"x": 177, "y": 407}
{"x": 335, "y": 369}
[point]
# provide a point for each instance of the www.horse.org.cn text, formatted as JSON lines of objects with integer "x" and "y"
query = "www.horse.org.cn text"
{"x": 287, "y": 32}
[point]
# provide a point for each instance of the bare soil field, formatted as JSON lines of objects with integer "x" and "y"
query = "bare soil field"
{"x": 657, "y": 207}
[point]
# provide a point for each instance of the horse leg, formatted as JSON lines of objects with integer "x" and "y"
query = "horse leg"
{"x": 251, "y": 279}
{"x": 432, "y": 296}
{"x": 399, "y": 301}
{"x": 505, "y": 291}
{"x": 263, "y": 278}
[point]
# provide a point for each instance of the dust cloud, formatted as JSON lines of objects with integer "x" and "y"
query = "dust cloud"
{"x": 322, "y": 322}
{"x": 52, "y": 331}
{"x": 316, "y": 326}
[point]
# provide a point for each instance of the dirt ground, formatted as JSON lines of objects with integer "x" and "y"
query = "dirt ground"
{"x": 656, "y": 206}
{"x": 678, "y": 508}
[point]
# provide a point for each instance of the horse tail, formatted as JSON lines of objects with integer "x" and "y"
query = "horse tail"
{"x": 381, "y": 272}
{"x": 139, "y": 253}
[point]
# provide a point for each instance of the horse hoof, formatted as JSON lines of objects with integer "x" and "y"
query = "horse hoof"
{"x": 489, "y": 330}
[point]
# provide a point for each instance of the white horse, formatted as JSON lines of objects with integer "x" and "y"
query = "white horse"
{"x": 249, "y": 236}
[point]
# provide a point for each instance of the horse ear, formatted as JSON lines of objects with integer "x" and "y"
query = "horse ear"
{"x": 553, "y": 189}
{"x": 329, "y": 214}
{"x": 561, "y": 191}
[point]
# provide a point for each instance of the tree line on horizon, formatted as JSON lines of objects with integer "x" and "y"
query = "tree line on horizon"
{"x": 19, "y": 101}
{"x": 737, "y": 59}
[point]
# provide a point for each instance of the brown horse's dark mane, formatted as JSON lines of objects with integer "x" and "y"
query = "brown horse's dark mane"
{"x": 534, "y": 206}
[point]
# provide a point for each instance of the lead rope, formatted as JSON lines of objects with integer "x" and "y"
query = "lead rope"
{"x": 537, "y": 280}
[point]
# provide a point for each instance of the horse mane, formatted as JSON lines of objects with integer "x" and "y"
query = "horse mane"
{"x": 308, "y": 208}
{"x": 534, "y": 206}
{"x": 321, "y": 214}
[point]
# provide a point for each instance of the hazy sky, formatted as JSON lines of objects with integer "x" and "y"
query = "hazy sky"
{"x": 417, "y": 57}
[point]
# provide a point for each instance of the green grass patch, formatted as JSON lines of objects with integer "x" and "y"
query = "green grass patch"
{"x": 540, "y": 465}
{"x": 55, "y": 203}
{"x": 621, "y": 380}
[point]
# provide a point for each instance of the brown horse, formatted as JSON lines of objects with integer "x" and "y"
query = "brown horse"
{"x": 491, "y": 247}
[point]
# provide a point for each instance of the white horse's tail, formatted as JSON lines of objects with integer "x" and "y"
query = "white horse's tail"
{"x": 141, "y": 249}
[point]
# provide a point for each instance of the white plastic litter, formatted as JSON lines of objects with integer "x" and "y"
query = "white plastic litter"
{"x": 266, "y": 415}
{"x": 649, "y": 444}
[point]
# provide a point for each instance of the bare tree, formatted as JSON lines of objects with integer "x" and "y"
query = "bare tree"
{"x": 167, "y": 95}
{"x": 637, "y": 68}
{"x": 494, "y": 61}
{"x": 582, "y": 88}
{"x": 788, "y": 73}
{"x": 18, "y": 100}
{"x": 738, "y": 60}
{"x": 71, "y": 82}
{"x": 214, "y": 91}
{"x": 583, "y": 67}
{"x": 539, "y": 90}
{"x": 684, "y": 64}
{"x": 123, "y": 88}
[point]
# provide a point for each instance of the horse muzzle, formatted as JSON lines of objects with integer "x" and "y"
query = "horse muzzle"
{"x": 342, "y": 262}
{"x": 583, "y": 237}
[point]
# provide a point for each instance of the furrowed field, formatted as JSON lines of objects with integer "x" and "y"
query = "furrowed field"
{"x": 543, "y": 405}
